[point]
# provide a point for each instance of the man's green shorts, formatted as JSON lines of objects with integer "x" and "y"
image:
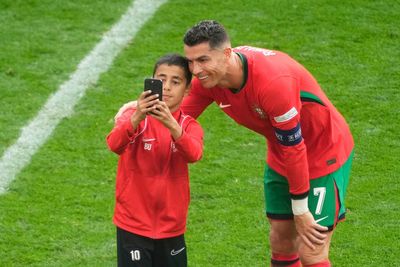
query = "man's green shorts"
{"x": 325, "y": 199}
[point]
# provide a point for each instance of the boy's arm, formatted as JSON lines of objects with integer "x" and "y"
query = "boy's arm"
{"x": 190, "y": 143}
{"x": 123, "y": 133}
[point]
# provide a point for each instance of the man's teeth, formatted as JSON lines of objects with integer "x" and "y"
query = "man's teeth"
{"x": 203, "y": 77}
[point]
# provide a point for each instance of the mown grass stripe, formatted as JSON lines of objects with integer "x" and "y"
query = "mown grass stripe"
{"x": 61, "y": 104}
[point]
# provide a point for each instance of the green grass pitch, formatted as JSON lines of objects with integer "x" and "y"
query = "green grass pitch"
{"x": 58, "y": 210}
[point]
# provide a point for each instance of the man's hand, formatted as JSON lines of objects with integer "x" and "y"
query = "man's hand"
{"x": 309, "y": 231}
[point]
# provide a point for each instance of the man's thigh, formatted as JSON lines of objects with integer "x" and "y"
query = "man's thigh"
{"x": 325, "y": 199}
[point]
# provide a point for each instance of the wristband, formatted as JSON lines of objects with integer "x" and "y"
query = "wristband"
{"x": 300, "y": 206}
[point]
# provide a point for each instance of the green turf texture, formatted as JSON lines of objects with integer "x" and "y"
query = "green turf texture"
{"x": 58, "y": 211}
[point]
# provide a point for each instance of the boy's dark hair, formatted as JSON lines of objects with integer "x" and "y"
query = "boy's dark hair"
{"x": 206, "y": 31}
{"x": 175, "y": 60}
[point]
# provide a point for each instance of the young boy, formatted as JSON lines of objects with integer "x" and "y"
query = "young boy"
{"x": 155, "y": 142}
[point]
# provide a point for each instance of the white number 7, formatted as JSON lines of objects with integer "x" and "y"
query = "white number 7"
{"x": 319, "y": 191}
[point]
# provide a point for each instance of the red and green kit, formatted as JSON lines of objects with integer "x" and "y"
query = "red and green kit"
{"x": 307, "y": 138}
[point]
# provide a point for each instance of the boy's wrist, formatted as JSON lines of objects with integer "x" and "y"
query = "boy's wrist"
{"x": 135, "y": 119}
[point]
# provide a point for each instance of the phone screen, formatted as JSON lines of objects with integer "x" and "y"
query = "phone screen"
{"x": 155, "y": 85}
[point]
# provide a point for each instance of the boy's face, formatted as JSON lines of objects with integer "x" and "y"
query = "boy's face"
{"x": 174, "y": 85}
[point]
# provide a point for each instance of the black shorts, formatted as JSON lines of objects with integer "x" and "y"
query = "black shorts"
{"x": 136, "y": 250}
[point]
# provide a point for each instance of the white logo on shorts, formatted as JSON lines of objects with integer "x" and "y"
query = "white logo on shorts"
{"x": 321, "y": 219}
{"x": 173, "y": 252}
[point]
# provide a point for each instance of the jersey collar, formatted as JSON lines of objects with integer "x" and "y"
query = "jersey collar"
{"x": 245, "y": 73}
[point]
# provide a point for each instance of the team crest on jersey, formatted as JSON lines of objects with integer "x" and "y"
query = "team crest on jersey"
{"x": 173, "y": 147}
{"x": 147, "y": 143}
{"x": 147, "y": 146}
{"x": 260, "y": 112}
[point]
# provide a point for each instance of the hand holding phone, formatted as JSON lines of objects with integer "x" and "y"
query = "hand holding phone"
{"x": 155, "y": 86}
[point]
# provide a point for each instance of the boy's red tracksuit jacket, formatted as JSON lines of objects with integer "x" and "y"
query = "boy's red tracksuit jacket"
{"x": 152, "y": 186}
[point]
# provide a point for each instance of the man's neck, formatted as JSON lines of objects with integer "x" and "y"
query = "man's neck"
{"x": 234, "y": 76}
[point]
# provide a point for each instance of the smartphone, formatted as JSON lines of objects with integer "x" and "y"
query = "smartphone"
{"x": 155, "y": 85}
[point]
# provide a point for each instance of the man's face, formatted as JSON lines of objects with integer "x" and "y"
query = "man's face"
{"x": 208, "y": 65}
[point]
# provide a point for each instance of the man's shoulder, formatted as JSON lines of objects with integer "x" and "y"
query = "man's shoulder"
{"x": 252, "y": 50}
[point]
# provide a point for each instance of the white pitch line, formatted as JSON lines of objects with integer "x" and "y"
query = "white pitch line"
{"x": 61, "y": 104}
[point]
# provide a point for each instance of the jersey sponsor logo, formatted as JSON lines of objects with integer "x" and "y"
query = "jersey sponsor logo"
{"x": 287, "y": 116}
{"x": 289, "y": 137}
{"x": 176, "y": 252}
{"x": 260, "y": 112}
{"x": 224, "y": 105}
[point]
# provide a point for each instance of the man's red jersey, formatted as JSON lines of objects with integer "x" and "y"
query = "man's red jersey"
{"x": 306, "y": 136}
{"x": 152, "y": 187}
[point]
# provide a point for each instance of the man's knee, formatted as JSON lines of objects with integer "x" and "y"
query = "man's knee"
{"x": 283, "y": 237}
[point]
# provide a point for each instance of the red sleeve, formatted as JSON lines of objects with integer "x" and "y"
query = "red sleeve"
{"x": 197, "y": 101}
{"x": 122, "y": 133}
{"x": 190, "y": 143}
{"x": 281, "y": 100}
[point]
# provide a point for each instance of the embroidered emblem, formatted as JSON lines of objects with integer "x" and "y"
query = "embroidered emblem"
{"x": 173, "y": 147}
{"x": 261, "y": 113}
{"x": 147, "y": 146}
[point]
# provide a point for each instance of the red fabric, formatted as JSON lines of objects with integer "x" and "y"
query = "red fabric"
{"x": 152, "y": 185}
{"x": 274, "y": 82}
{"x": 285, "y": 260}
{"x": 325, "y": 263}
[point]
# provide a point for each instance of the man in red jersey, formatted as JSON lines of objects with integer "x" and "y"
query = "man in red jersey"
{"x": 309, "y": 143}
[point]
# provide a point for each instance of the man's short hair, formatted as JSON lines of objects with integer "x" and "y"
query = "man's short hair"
{"x": 206, "y": 31}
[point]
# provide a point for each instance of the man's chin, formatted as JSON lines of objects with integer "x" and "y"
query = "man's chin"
{"x": 207, "y": 84}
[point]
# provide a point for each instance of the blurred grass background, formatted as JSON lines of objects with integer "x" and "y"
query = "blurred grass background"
{"x": 58, "y": 211}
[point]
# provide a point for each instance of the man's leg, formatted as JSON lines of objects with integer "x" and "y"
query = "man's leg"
{"x": 283, "y": 243}
{"x": 282, "y": 236}
{"x": 319, "y": 257}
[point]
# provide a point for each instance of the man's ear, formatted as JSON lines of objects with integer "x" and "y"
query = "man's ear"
{"x": 228, "y": 52}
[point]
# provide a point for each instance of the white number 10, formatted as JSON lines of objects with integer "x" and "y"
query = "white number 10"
{"x": 135, "y": 255}
{"x": 320, "y": 192}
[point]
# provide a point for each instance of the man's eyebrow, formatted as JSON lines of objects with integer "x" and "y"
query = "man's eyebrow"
{"x": 197, "y": 58}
